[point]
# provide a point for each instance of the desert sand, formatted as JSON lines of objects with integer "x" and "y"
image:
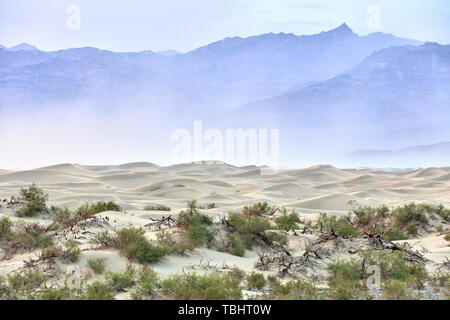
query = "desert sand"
{"x": 320, "y": 188}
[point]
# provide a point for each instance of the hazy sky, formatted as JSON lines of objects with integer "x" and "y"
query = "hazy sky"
{"x": 183, "y": 25}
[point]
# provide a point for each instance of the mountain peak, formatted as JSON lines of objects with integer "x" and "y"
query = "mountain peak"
{"x": 342, "y": 29}
{"x": 23, "y": 46}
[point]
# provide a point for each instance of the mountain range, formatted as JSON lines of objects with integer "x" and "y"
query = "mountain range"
{"x": 329, "y": 93}
{"x": 226, "y": 73}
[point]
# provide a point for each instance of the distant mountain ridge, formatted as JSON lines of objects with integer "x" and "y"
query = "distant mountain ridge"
{"x": 440, "y": 149}
{"x": 225, "y": 73}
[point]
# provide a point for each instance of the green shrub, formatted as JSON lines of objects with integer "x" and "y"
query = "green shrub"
{"x": 237, "y": 247}
{"x": 61, "y": 216}
{"x": 34, "y": 193}
{"x": 292, "y": 290}
{"x": 369, "y": 216}
{"x": 287, "y": 221}
{"x": 99, "y": 291}
{"x": 32, "y": 208}
{"x": 259, "y": 209}
{"x": 394, "y": 266}
{"x": 248, "y": 226}
{"x": 344, "y": 280}
{"x": 396, "y": 290}
{"x": 447, "y": 236}
{"x": 102, "y": 206}
{"x": 27, "y": 236}
{"x": 88, "y": 210}
{"x": 158, "y": 207}
{"x": 211, "y": 286}
{"x": 256, "y": 281}
{"x": 394, "y": 233}
{"x": 72, "y": 251}
{"x": 30, "y": 279}
{"x": 147, "y": 281}
{"x": 5, "y": 227}
{"x": 102, "y": 238}
{"x": 121, "y": 280}
{"x": 97, "y": 264}
{"x": 196, "y": 224}
{"x": 132, "y": 242}
{"x": 410, "y": 213}
{"x": 342, "y": 226}
{"x": 44, "y": 241}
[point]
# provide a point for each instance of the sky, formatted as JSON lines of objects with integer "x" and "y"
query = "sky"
{"x": 184, "y": 25}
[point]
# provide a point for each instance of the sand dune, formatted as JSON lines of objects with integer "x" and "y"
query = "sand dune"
{"x": 318, "y": 188}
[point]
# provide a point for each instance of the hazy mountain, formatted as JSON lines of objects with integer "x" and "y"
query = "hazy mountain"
{"x": 396, "y": 82}
{"x": 434, "y": 154}
{"x": 396, "y": 96}
{"x": 23, "y": 46}
{"x": 168, "y": 53}
{"x": 225, "y": 73}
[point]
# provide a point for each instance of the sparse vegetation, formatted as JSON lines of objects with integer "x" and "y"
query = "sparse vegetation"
{"x": 98, "y": 265}
{"x": 342, "y": 226}
{"x": 158, "y": 207}
{"x": 132, "y": 242}
{"x": 211, "y": 286}
{"x": 256, "y": 281}
{"x": 121, "y": 280}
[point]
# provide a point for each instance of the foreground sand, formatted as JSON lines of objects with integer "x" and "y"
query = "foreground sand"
{"x": 133, "y": 186}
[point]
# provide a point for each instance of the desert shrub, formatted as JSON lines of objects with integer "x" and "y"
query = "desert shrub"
{"x": 259, "y": 209}
{"x": 99, "y": 291}
{"x": 394, "y": 232}
{"x": 342, "y": 226}
{"x": 287, "y": 221}
{"x": 158, "y": 207}
{"x": 369, "y": 216}
{"x": 248, "y": 226}
{"x": 31, "y": 209}
{"x": 256, "y": 281}
{"x": 396, "y": 290}
{"x": 211, "y": 286}
{"x": 132, "y": 242}
{"x": 192, "y": 216}
{"x": 279, "y": 237}
{"x": 292, "y": 290}
{"x": 51, "y": 252}
{"x": 97, "y": 264}
{"x": 56, "y": 293}
{"x": 195, "y": 223}
{"x": 44, "y": 241}
{"x": 5, "y": 227}
{"x": 350, "y": 270}
{"x": 168, "y": 241}
{"x": 147, "y": 281}
{"x": 410, "y": 213}
{"x": 102, "y": 238}
{"x": 88, "y": 210}
{"x": 440, "y": 279}
{"x": 30, "y": 279}
{"x": 394, "y": 266}
{"x": 121, "y": 280}
{"x": 438, "y": 209}
{"x": 34, "y": 193}
{"x": 447, "y": 236}
{"x": 61, "y": 216}
{"x": 439, "y": 229}
{"x": 344, "y": 280}
{"x": 71, "y": 251}
{"x": 102, "y": 206}
{"x": 237, "y": 248}
{"x": 28, "y": 236}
